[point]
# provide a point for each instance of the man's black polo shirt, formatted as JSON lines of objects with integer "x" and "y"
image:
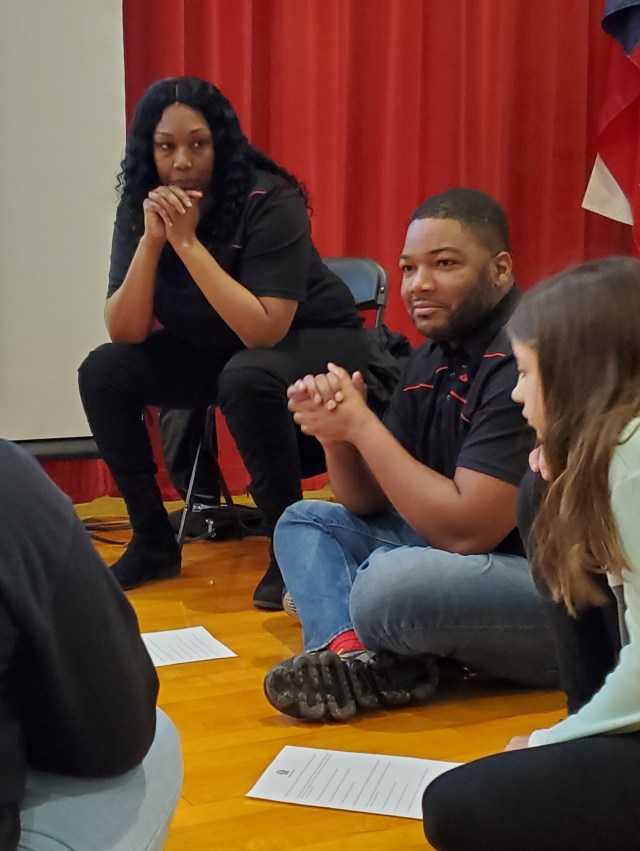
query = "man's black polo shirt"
{"x": 453, "y": 407}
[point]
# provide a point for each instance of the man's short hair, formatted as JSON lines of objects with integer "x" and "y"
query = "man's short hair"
{"x": 477, "y": 212}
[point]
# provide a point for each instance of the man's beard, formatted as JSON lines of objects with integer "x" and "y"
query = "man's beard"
{"x": 470, "y": 313}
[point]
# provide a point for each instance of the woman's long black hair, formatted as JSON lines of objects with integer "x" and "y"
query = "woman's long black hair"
{"x": 234, "y": 156}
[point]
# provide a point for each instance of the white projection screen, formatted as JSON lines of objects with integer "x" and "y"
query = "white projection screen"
{"x": 62, "y": 130}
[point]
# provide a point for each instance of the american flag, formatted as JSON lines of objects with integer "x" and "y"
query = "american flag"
{"x": 614, "y": 187}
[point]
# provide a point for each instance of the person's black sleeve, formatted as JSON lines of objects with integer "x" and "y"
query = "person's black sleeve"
{"x": 9, "y": 827}
{"x": 123, "y": 246}
{"x": 85, "y": 684}
{"x": 276, "y": 249}
{"x": 12, "y": 758}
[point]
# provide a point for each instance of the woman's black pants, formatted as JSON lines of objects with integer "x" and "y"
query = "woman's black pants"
{"x": 580, "y": 795}
{"x": 117, "y": 381}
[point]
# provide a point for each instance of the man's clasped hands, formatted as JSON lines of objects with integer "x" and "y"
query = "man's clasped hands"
{"x": 331, "y": 406}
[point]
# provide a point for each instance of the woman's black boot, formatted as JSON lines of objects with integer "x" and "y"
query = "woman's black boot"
{"x": 153, "y": 552}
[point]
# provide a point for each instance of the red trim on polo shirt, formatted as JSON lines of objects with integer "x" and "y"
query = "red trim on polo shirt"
{"x": 457, "y": 396}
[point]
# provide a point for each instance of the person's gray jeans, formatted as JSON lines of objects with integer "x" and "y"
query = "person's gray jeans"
{"x": 128, "y": 813}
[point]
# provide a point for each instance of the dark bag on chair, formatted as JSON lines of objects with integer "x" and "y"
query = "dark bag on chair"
{"x": 388, "y": 354}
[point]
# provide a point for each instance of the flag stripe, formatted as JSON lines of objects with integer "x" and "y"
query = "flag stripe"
{"x": 621, "y": 20}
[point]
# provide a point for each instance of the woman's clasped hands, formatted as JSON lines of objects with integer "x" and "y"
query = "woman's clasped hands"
{"x": 172, "y": 213}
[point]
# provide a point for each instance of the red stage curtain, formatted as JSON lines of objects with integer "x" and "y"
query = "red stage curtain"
{"x": 376, "y": 104}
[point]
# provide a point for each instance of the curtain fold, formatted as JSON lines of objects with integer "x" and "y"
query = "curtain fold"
{"x": 376, "y": 104}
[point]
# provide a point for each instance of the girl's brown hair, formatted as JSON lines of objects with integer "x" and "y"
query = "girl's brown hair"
{"x": 584, "y": 325}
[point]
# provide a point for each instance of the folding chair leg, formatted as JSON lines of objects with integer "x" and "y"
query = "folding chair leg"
{"x": 226, "y": 494}
{"x": 189, "y": 498}
{"x": 212, "y": 451}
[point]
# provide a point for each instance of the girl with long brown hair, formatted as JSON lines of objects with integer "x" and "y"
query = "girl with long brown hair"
{"x": 577, "y": 341}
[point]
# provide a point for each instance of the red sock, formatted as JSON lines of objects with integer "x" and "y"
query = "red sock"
{"x": 346, "y": 642}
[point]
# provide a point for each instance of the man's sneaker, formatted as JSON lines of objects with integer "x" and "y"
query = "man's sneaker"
{"x": 289, "y": 606}
{"x": 322, "y": 686}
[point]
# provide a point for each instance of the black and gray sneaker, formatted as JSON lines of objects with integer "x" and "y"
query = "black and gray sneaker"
{"x": 322, "y": 686}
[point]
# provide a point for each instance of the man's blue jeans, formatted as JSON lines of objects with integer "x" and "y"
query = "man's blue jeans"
{"x": 379, "y": 577}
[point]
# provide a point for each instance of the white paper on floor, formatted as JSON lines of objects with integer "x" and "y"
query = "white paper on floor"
{"x": 342, "y": 780}
{"x": 193, "y": 644}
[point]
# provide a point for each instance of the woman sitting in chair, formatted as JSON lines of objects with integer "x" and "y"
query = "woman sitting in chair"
{"x": 212, "y": 241}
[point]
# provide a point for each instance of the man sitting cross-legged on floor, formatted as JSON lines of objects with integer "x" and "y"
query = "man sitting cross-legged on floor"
{"x": 421, "y": 559}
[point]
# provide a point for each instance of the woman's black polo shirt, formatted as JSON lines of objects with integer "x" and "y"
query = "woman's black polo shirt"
{"x": 272, "y": 254}
{"x": 453, "y": 407}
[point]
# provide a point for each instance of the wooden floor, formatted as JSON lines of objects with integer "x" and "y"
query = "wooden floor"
{"x": 230, "y": 733}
